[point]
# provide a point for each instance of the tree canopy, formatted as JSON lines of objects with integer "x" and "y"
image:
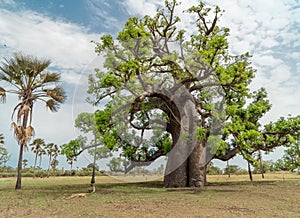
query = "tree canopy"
{"x": 185, "y": 96}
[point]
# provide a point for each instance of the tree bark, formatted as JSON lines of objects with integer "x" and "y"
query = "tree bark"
{"x": 19, "y": 177}
{"x": 196, "y": 170}
{"x": 250, "y": 172}
{"x": 23, "y": 143}
{"x": 183, "y": 167}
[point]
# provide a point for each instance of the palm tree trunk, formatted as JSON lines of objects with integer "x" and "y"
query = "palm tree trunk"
{"x": 40, "y": 161}
{"x": 19, "y": 177}
{"x": 35, "y": 164}
{"x": 49, "y": 165}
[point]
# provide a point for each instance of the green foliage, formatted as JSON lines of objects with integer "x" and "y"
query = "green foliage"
{"x": 4, "y": 156}
{"x": 266, "y": 167}
{"x": 71, "y": 149}
{"x": 142, "y": 69}
{"x": 91, "y": 165}
{"x": 290, "y": 160}
{"x": 234, "y": 169}
{"x": 117, "y": 164}
{"x": 213, "y": 170}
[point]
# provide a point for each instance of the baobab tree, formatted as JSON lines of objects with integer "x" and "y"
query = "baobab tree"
{"x": 184, "y": 88}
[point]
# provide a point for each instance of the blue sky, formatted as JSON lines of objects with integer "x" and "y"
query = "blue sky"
{"x": 62, "y": 30}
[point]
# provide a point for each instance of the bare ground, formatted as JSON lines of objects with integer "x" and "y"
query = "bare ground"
{"x": 276, "y": 196}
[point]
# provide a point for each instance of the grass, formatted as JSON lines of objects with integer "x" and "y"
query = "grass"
{"x": 276, "y": 196}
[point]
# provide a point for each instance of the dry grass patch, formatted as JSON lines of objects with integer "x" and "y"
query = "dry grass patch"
{"x": 222, "y": 198}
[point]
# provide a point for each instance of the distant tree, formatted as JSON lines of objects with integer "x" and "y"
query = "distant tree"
{"x": 262, "y": 167}
{"x": 4, "y": 156}
{"x": 232, "y": 169}
{"x": 213, "y": 170}
{"x": 41, "y": 153}
{"x": 37, "y": 147}
{"x": 118, "y": 164}
{"x": 271, "y": 164}
{"x": 26, "y": 77}
{"x": 52, "y": 151}
{"x": 71, "y": 149}
{"x": 54, "y": 164}
{"x": 91, "y": 166}
{"x": 86, "y": 123}
{"x": 25, "y": 163}
{"x": 291, "y": 157}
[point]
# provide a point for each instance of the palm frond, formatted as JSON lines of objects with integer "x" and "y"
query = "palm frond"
{"x": 50, "y": 78}
{"x": 12, "y": 72}
{"x": 19, "y": 133}
{"x": 2, "y": 95}
{"x": 58, "y": 94}
{"x": 29, "y": 133}
{"x": 52, "y": 105}
{"x": 22, "y": 111}
{"x": 23, "y": 135}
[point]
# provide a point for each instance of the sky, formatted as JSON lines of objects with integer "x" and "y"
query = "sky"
{"x": 62, "y": 31}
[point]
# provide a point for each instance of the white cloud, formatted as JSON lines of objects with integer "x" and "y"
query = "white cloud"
{"x": 142, "y": 7}
{"x": 69, "y": 48}
{"x": 11, "y": 3}
{"x": 66, "y": 44}
{"x": 266, "y": 60}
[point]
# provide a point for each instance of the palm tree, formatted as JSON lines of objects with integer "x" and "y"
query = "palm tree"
{"x": 36, "y": 147}
{"x": 27, "y": 77}
{"x": 41, "y": 153}
{"x": 52, "y": 151}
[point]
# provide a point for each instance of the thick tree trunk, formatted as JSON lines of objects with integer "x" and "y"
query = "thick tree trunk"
{"x": 19, "y": 177}
{"x": 196, "y": 169}
{"x": 176, "y": 173}
{"x": 177, "y": 178}
{"x": 183, "y": 167}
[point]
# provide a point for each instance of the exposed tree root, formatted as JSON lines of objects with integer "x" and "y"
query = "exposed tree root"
{"x": 78, "y": 195}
